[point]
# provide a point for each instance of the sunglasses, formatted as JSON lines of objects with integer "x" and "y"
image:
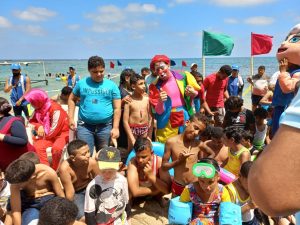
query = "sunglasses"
{"x": 204, "y": 170}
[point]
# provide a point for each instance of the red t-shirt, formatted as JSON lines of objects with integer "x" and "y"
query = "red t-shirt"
{"x": 201, "y": 93}
{"x": 215, "y": 89}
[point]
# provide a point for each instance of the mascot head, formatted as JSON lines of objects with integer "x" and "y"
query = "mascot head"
{"x": 290, "y": 48}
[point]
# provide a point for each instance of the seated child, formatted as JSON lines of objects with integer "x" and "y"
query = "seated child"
{"x": 184, "y": 149}
{"x": 63, "y": 97}
{"x": 106, "y": 198}
{"x": 205, "y": 193}
{"x": 137, "y": 116}
{"x": 32, "y": 185}
{"x": 238, "y": 154}
{"x": 206, "y": 134}
{"x": 216, "y": 145}
{"x": 4, "y": 196}
{"x": 145, "y": 175}
{"x": 59, "y": 211}
{"x": 247, "y": 139}
{"x": 238, "y": 116}
{"x": 238, "y": 190}
{"x": 261, "y": 128}
{"x": 77, "y": 172}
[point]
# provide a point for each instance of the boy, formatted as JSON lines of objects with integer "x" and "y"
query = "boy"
{"x": 31, "y": 187}
{"x": 247, "y": 139}
{"x": 106, "y": 198}
{"x": 145, "y": 175}
{"x": 238, "y": 116}
{"x": 237, "y": 154}
{"x": 216, "y": 145}
{"x": 59, "y": 211}
{"x": 77, "y": 172}
{"x": 184, "y": 150}
{"x": 137, "y": 117}
{"x": 261, "y": 127}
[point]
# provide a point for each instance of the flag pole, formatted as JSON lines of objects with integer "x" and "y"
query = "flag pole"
{"x": 251, "y": 65}
{"x": 203, "y": 58}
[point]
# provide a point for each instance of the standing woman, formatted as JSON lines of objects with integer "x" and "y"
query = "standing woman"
{"x": 51, "y": 126}
{"x": 13, "y": 136}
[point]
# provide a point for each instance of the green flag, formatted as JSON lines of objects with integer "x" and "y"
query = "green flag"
{"x": 216, "y": 44}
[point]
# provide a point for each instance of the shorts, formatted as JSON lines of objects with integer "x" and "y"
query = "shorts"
{"x": 79, "y": 197}
{"x": 139, "y": 129}
{"x": 256, "y": 99}
{"x": 220, "y": 116}
{"x": 177, "y": 188}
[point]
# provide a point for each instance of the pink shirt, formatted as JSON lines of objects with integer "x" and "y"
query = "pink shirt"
{"x": 172, "y": 89}
{"x": 215, "y": 89}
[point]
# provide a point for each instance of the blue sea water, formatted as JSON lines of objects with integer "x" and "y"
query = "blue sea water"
{"x": 61, "y": 66}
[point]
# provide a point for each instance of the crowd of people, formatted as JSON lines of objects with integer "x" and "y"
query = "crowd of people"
{"x": 202, "y": 124}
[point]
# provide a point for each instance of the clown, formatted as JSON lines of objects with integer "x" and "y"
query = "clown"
{"x": 288, "y": 56}
{"x": 170, "y": 95}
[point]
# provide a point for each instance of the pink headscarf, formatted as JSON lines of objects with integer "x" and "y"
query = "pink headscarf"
{"x": 41, "y": 104}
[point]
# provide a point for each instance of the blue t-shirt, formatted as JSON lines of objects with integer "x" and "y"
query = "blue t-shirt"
{"x": 18, "y": 91}
{"x": 96, "y": 100}
{"x": 233, "y": 86}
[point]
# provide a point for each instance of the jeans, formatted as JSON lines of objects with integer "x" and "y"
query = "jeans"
{"x": 94, "y": 135}
{"x": 79, "y": 197}
{"x": 18, "y": 110}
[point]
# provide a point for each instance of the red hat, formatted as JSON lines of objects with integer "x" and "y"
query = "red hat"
{"x": 159, "y": 58}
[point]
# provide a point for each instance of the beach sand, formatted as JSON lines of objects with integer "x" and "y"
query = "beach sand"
{"x": 149, "y": 213}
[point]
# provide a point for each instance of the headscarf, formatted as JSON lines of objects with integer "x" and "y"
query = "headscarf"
{"x": 159, "y": 58}
{"x": 41, "y": 103}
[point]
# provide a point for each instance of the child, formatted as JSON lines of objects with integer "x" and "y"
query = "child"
{"x": 31, "y": 187}
{"x": 238, "y": 154}
{"x": 239, "y": 193}
{"x": 106, "y": 198}
{"x": 137, "y": 117}
{"x": 205, "y": 193}
{"x": 238, "y": 116}
{"x": 216, "y": 145}
{"x": 247, "y": 139}
{"x": 184, "y": 150}
{"x": 145, "y": 175}
{"x": 261, "y": 127}
{"x": 4, "y": 196}
{"x": 59, "y": 211}
{"x": 77, "y": 172}
{"x": 266, "y": 101}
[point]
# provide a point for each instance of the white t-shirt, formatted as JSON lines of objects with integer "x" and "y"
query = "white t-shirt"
{"x": 4, "y": 195}
{"x": 109, "y": 197}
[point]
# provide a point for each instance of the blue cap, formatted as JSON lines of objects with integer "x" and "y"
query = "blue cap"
{"x": 235, "y": 67}
{"x": 15, "y": 66}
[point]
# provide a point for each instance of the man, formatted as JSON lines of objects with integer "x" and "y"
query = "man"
{"x": 216, "y": 92}
{"x": 72, "y": 78}
{"x": 145, "y": 71}
{"x": 170, "y": 96}
{"x": 99, "y": 107}
{"x": 194, "y": 67}
{"x": 235, "y": 82}
{"x": 260, "y": 86}
{"x": 19, "y": 85}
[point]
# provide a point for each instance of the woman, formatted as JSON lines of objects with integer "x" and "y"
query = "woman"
{"x": 51, "y": 126}
{"x": 205, "y": 194}
{"x": 13, "y": 136}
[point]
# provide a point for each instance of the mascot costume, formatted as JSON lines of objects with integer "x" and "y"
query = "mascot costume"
{"x": 288, "y": 56}
{"x": 171, "y": 97}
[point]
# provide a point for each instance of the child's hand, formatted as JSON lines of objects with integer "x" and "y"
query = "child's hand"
{"x": 283, "y": 65}
{"x": 148, "y": 171}
{"x": 41, "y": 131}
{"x": 184, "y": 155}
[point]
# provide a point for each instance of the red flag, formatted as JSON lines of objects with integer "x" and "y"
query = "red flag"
{"x": 112, "y": 65}
{"x": 183, "y": 63}
{"x": 260, "y": 44}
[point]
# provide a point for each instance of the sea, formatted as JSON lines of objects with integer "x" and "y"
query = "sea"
{"x": 39, "y": 68}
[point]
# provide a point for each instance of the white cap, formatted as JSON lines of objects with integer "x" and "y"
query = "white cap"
{"x": 194, "y": 64}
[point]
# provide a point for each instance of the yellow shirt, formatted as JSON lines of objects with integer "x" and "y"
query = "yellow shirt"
{"x": 234, "y": 164}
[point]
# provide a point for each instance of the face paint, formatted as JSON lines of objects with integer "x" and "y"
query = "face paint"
{"x": 161, "y": 69}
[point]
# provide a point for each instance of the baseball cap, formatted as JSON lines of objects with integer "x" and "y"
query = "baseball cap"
{"x": 109, "y": 158}
{"x": 15, "y": 66}
{"x": 235, "y": 67}
{"x": 194, "y": 64}
{"x": 226, "y": 69}
{"x": 71, "y": 68}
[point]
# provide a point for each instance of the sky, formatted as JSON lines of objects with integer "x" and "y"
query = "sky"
{"x": 119, "y": 29}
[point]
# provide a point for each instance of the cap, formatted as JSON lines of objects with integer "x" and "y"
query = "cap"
{"x": 109, "y": 158}
{"x": 159, "y": 58}
{"x": 15, "y": 66}
{"x": 194, "y": 64}
{"x": 71, "y": 68}
{"x": 235, "y": 67}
